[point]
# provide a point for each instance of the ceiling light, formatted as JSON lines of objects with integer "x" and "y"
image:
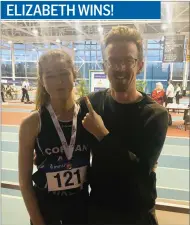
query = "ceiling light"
{"x": 75, "y": 49}
{"x": 35, "y": 32}
{"x": 57, "y": 40}
{"x": 10, "y": 42}
{"x": 100, "y": 29}
{"x": 164, "y": 26}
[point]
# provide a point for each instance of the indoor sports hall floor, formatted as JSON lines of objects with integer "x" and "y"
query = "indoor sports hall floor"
{"x": 172, "y": 171}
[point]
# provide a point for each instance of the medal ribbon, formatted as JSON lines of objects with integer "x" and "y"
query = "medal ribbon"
{"x": 68, "y": 149}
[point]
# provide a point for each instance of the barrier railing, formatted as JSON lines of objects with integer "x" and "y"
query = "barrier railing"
{"x": 170, "y": 206}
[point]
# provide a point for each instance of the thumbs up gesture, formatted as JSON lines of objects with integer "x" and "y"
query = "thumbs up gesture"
{"x": 93, "y": 122}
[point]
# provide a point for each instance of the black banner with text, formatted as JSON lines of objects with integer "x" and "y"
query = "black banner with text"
{"x": 173, "y": 48}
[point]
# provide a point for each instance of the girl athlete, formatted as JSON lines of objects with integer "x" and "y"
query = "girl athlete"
{"x": 57, "y": 193}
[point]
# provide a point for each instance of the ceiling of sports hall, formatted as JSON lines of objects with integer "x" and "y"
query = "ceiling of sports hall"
{"x": 175, "y": 20}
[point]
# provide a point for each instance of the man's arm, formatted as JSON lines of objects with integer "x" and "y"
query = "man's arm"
{"x": 114, "y": 149}
{"x": 154, "y": 136}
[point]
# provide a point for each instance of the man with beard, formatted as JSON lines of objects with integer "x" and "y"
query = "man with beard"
{"x": 129, "y": 130}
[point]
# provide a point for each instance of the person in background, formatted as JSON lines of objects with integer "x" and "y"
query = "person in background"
{"x": 170, "y": 93}
{"x": 158, "y": 93}
{"x": 9, "y": 91}
{"x": 25, "y": 88}
{"x": 178, "y": 93}
{"x": 130, "y": 129}
{"x": 62, "y": 156}
{"x": 2, "y": 93}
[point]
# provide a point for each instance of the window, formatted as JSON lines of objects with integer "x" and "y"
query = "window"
{"x": 87, "y": 47}
{"x": 79, "y": 56}
{"x": 93, "y": 55}
{"x": 38, "y": 45}
{"x": 87, "y": 56}
{"x": 99, "y": 65}
{"x": 79, "y": 46}
{"x": 80, "y": 53}
{"x": 93, "y": 47}
{"x": 99, "y": 55}
{"x": 93, "y": 58}
{"x": 46, "y": 46}
{"x": 93, "y": 42}
{"x": 31, "y": 69}
{"x": 156, "y": 71}
{"x": 140, "y": 76}
{"x": 178, "y": 69}
{"x": 5, "y": 54}
{"x": 154, "y": 55}
{"x": 3, "y": 43}
{"x": 19, "y": 46}
{"x": 20, "y": 58}
{"x": 154, "y": 46}
{"x": 40, "y": 53}
{"x": 152, "y": 41}
{"x": 54, "y": 46}
{"x": 31, "y": 56}
{"x": 99, "y": 47}
{"x": 20, "y": 69}
{"x": 19, "y": 52}
{"x": 29, "y": 46}
{"x": 6, "y": 69}
{"x": 19, "y": 55}
{"x": 78, "y": 65}
{"x": 88, "y": 67}
{"x": 70, "y": 45}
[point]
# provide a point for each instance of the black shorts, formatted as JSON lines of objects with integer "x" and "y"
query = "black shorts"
{"x": 58, "y": 210}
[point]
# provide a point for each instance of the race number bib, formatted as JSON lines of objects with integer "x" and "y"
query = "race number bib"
{"x": 66, "y": 179}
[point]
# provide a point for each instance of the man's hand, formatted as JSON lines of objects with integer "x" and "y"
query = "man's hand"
{"x": 93, "y": 122}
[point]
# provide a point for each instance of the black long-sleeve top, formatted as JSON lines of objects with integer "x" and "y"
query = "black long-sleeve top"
{"x": 122, "y": 165}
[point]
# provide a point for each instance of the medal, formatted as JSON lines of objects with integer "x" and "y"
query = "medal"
{"x": 68, "y": 166}
{"x": 68, "y": 149}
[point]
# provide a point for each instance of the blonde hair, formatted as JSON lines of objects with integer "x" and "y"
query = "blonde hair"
{"x": 160, "y": 85}
{"x": 42, "y": 97}
{"x": 124, "y": 33}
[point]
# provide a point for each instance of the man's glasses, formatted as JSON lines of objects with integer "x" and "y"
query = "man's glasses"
{"x": 127, "y": 63}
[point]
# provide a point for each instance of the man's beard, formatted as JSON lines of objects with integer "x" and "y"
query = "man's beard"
{"x": 119, "y": 87}
{"x": 123, "y": 84}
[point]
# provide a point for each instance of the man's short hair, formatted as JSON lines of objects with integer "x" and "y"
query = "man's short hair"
{"x": 124, "y": 33}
